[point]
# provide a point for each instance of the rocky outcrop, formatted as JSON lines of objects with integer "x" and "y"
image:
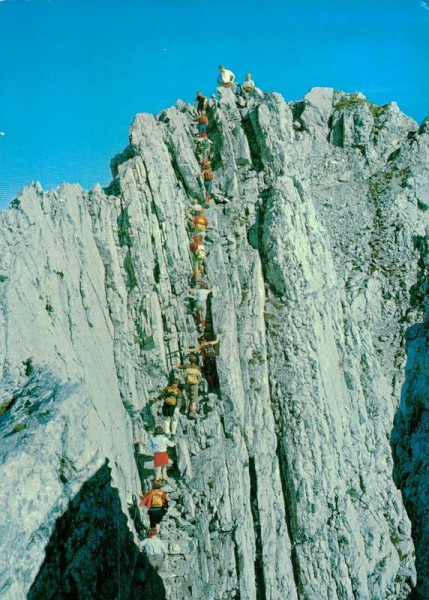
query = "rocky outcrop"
{"x": 283, "y": 487}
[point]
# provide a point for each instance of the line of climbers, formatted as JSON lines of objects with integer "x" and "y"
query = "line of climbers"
{"x": 156, "y": 499}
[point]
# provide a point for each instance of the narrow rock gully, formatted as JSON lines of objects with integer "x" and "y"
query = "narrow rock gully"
{"x": 177, "y": 525}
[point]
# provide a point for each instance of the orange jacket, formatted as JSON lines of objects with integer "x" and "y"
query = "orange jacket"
{"x": 196, "y": 241}
{"x": 200, "y": 220}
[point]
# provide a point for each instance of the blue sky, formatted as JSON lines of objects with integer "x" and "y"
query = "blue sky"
{"x": 75, "y": 72}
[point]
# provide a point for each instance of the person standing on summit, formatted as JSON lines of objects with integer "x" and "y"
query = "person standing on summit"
{"x": 226, "y": 77}
{"x": 202, "y": 103}
{"x": 249, "y": 85}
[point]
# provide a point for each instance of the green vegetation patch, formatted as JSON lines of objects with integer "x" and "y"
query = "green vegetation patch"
{"x": 18, "y": 427}
{"x": 7, "y": 405}
{"x": 354, "y": 100}
{"x": 129, "y": 269}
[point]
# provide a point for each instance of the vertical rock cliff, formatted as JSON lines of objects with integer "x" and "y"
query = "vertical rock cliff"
{"x": 284, "y": 487}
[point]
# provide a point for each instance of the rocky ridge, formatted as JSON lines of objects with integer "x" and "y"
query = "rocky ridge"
{"x": 284, "y": 486}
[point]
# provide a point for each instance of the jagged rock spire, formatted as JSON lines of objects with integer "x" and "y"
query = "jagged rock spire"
{"x": 285, "y": 485}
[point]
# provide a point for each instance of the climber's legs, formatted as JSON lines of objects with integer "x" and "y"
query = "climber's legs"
{"x": 208, "y": 187}
{"x": 156, "y": 561}
{"x": 155, "y": 518}
{"x": 210, "y": 372}
{"x": 167, "y": 425}
{"x": 174, "y": 423}
{"x": 201, "y": 312}
{"x": 197, "y": 265}
{"x": 192, "y": 393}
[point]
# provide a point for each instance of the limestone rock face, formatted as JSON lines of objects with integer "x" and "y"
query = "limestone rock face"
{"x": 283, "y": 486}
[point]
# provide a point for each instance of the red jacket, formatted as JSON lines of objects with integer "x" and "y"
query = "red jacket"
{"x": 208, "y": 175}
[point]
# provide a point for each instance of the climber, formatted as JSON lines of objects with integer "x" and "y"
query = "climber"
{"x": 200, "y": 296}
{"x": 208, "y": 355}
{"x": 171, "y": 394}
{"x": 198, "y": 255}
{"x": 156, "y": 502}
{"x": 192, "y": 381}
{"x": 202, "y": 124}
{"x": 199, "y": 223}
{"x": 195, "y": 208}
{"x": 154, "y": 549}
{"x": 205, "y": 164}
{"x": 202, "y": 103}
{"x": 158, "y": 444}
{"x": 204, "y": 147}
{"x": 248, "y": 86}
{"x": 226, "y": 77}
{"x": 208, "y": 177}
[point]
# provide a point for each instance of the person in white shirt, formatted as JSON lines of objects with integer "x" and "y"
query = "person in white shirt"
{"x": 248, "y": 86}
{"x": 154, "y": 549}
{"x": 158, "y": 444}
{"x": 200, "y": 296}
{"x": 226, "y": 77}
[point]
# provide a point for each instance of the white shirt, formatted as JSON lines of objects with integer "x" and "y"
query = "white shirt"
{"x": 201, "y": 295}
{"x": 153, "y": 546}
{"x": 159, "y": 443}
{"x": 248, "y": 85}
{"x": 227, "y": 76}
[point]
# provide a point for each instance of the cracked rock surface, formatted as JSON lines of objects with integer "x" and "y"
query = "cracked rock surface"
{"x": 284, "y": 486}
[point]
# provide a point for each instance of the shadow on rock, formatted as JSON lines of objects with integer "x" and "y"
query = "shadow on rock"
{"x": 91, "y": 552}
{"x": 410, "y": 444}
{"x": 148, "y": 584}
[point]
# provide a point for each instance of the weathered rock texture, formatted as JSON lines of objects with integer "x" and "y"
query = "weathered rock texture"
{"x": 284, "y": 486}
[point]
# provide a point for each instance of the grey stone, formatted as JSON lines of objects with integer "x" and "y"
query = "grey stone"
{"x": 283, "y": 487}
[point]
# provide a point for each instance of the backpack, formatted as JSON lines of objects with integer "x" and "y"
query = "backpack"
{"x": 208, "y": 175}
{"x": 157, "y": 499}
{"x": 170, "y": 396}
{"x": 192, "y": 375}
{"x": 200, "y": 251}
{"x": 210, "y": 351}
{"x": 170, "y": 400}
{"x": 200, "y": 223}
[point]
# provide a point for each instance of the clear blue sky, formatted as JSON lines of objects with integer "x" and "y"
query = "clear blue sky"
{"x": 73, "y": 73}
